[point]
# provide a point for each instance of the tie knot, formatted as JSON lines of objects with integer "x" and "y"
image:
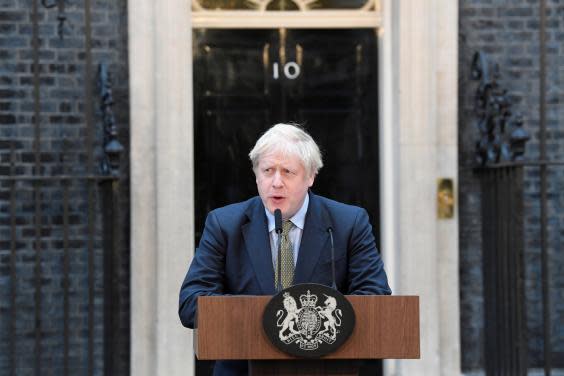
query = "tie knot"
{"x": 286, "y": 227}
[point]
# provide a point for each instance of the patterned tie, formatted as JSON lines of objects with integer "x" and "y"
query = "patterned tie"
{"x": 286, "y": 257}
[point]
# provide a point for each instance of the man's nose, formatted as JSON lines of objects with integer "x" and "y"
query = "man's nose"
{"x": 277, "y": 180}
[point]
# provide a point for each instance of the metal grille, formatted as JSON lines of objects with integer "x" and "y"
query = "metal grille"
{"x": 502, "y": 208}
{"x": 503, "y": 168}
{"x": 59, "y": 224}
{"x": 505, "y": 266}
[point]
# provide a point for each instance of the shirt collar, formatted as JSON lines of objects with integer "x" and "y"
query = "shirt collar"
{"x": 298, "y": 219}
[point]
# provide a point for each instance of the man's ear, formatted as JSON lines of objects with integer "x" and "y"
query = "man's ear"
{"x": 311, "y": 180}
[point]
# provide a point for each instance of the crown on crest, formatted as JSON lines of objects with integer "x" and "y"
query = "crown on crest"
{"x": 308, "y": 300}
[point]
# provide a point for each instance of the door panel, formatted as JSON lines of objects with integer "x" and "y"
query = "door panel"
{"x": 237, "y": 97}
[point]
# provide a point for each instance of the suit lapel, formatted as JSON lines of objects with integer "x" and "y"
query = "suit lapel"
{"x": 255, "y": 233}
{"x": 314, "y": 239}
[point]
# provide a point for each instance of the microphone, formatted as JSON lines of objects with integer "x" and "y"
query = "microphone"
{"x": 278, "y": 221}
{"x": 333, "y": 284}
{"x": 278, "y": 229}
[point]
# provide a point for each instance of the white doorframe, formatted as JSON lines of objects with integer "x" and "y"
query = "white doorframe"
{"x": 162, "y": 204}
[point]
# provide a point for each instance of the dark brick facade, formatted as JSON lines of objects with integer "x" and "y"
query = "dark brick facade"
{"x": 509, "y": 32}
{"x": 63, "y": 149}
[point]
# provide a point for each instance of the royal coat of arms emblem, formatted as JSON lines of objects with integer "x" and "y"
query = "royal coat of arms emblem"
{"x": 312, "y": 327}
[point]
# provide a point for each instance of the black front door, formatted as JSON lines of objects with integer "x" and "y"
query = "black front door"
{"x": 248, "y": 80}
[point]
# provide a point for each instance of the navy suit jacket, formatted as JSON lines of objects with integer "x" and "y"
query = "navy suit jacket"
{"x": 234, "y": 257}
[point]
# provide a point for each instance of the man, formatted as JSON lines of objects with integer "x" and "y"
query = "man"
{"x": 238, "y": 252}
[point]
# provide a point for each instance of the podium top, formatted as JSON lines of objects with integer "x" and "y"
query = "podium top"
{"x": 230, "y": 327}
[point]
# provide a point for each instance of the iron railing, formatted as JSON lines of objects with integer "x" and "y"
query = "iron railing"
{"x": 66, "y": 234}
{"x": 499, "y": 153}
{"x": 503, "y": 270}
{"x": 64, "y": 219}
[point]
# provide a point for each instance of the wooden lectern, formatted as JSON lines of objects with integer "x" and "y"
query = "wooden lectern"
{"x": 230, "y": 327}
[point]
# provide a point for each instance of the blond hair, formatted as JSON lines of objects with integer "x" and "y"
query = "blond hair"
{"x": 288, "y": 139}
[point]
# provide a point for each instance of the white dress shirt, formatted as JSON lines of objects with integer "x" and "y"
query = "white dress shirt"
{"x": 295, "y": 233}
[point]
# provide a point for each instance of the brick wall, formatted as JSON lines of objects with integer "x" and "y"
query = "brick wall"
{"x": 63, "y": 146}
{"x": 509, "y": 32}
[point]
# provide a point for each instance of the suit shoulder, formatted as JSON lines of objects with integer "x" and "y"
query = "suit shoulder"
{"x": 235, "y": 212}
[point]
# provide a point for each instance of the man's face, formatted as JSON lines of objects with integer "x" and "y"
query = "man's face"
{"x": 282, "y": 183}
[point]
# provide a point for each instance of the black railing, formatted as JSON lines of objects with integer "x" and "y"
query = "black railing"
{"x": 53, "y": 219}
{"x": 503, "y": 270}
{"x": 110, "y": 192}
{"x": 499, "y": 153}
{"x": 63, "y": 221}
